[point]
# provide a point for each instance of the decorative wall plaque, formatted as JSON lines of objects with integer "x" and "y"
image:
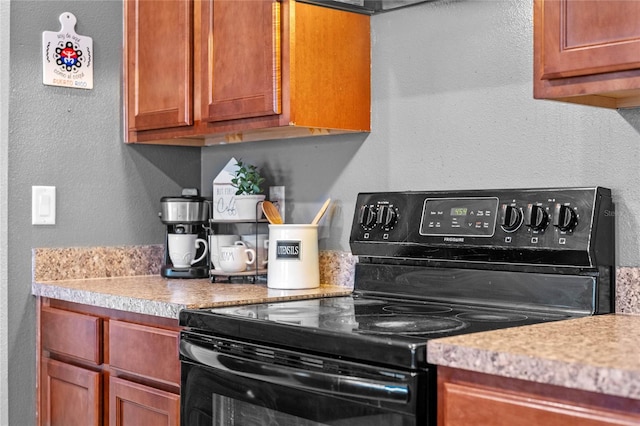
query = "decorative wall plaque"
{"x": 67, "y": 56}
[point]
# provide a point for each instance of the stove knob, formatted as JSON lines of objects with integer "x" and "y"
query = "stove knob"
{"x": 565, "y": 218}
{"x": 511, "y": 217}
{"x": 387, "y": 217}
{"x": 368, "y": 216}
{"x": 536, "y": 217}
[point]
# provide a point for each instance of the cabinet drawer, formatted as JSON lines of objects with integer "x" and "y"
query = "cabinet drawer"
{"x": 73, "y": 334}
{"x": 146, "y": 351}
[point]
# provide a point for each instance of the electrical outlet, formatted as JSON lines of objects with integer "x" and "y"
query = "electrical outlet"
{"x": 276, "y": 196}
{"x": 43, "y": 205}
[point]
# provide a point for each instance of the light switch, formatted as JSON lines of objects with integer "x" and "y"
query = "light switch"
{"x": 43, "y": 205}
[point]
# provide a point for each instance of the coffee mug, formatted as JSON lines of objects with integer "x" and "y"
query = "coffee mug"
{"x": 236, "y": 258}
{"x": 215, "y": 242}
{"x": 260, "y": 243}
{"x": 183, "y": 249}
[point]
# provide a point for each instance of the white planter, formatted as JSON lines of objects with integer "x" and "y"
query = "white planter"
{"x": 246, "y": 207}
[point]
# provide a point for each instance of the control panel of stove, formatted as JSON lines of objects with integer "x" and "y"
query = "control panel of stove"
{"x": 519, "y": 225}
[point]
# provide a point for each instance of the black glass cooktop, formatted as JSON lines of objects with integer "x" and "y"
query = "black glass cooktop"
{"x": 386, "y": 331}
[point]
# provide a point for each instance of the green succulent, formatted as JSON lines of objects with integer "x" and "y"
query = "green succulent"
{"x": 247, "y": 179}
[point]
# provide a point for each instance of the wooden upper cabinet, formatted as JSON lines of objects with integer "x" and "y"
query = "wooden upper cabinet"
{"x": 261, "y": 69}
{"x": 158, "y": 64}
{"x": 587, "y": 51}
{"x": 240, "y": 74}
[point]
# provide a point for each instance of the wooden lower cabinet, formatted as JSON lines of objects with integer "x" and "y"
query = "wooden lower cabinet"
{"x": 104, "y": 367}
{"x": 469, "y": 398}
{"x": 71, "y": 395}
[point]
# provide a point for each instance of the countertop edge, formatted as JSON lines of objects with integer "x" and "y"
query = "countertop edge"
{"x": 103, "y": 300}
{"x": 591, "y": 375}
{"x": 257, "y": 293}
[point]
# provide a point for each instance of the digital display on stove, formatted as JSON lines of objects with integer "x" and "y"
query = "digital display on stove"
{"x": 459, "y": 217}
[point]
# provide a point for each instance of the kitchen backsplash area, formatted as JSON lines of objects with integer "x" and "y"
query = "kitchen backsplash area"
{"x": 628, "y": 290}
{"x": 54, "y": 264}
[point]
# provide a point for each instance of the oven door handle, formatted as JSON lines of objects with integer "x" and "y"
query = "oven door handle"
{"x": 334, "y": 384}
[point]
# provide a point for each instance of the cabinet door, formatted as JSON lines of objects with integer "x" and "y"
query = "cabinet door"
{"x": 240, "y": 59}
{"x": 133, "y": 404}
{"x": 71, "y": 395}
{"x": 585, "y": 37}
{"x": 158, "y": 63}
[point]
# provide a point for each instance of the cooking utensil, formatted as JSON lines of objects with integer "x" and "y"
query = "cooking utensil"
{"x": 323, "y": 209}
{"x": 272, "y": 213}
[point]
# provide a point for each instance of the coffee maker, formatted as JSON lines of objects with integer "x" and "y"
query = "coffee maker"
{"x": 186, "y": 218}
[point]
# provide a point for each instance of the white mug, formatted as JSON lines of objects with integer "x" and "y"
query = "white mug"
{"x": 236, "y": 258}
{"x": 183, "y": 249}
{"x": 215, "y": 242}
{"x": 293, "y": 257}
{"x": 260, "y": 243}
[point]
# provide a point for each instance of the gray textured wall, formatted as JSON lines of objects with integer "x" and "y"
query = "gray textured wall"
{"x": 452, "y": 108}
{"x": 108, "y": 193}
{"x": 4, "y": 177}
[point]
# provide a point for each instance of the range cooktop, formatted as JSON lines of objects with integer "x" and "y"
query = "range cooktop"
{"x": 394, "y": 331}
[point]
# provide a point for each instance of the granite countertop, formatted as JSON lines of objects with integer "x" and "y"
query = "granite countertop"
{"x": 599, "y": 353}
{"x": 128, "y": 278}
{"x": 155, "y": 295}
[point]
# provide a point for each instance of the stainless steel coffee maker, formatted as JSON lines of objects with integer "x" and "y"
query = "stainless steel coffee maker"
{"x": 185, "y": 248}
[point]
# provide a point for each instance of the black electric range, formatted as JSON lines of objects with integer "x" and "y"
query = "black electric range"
{"x": 431, "y": 264}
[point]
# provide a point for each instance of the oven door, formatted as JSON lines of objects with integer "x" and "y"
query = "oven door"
{"x": 228, "y": 382}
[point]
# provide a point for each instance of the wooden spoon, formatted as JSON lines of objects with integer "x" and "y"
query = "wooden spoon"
{"x": 323, "y": 209}
{"x": 272, "y": 213}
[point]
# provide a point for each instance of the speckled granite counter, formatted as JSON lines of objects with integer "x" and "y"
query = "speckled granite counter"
{"x": 154, "y": 295}
{"x": 598, "y": 354}
{"x": 127, "y": 278}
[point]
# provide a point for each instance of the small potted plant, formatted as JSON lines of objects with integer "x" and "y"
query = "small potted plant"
{"x": 247, "y": 181}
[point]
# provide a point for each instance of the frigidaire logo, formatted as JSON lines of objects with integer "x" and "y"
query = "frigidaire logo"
{"x": 454, "y": 239}
{"x": 288, "y": 249}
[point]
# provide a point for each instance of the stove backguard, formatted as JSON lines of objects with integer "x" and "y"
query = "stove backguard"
{"x": 543, "y": 248}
